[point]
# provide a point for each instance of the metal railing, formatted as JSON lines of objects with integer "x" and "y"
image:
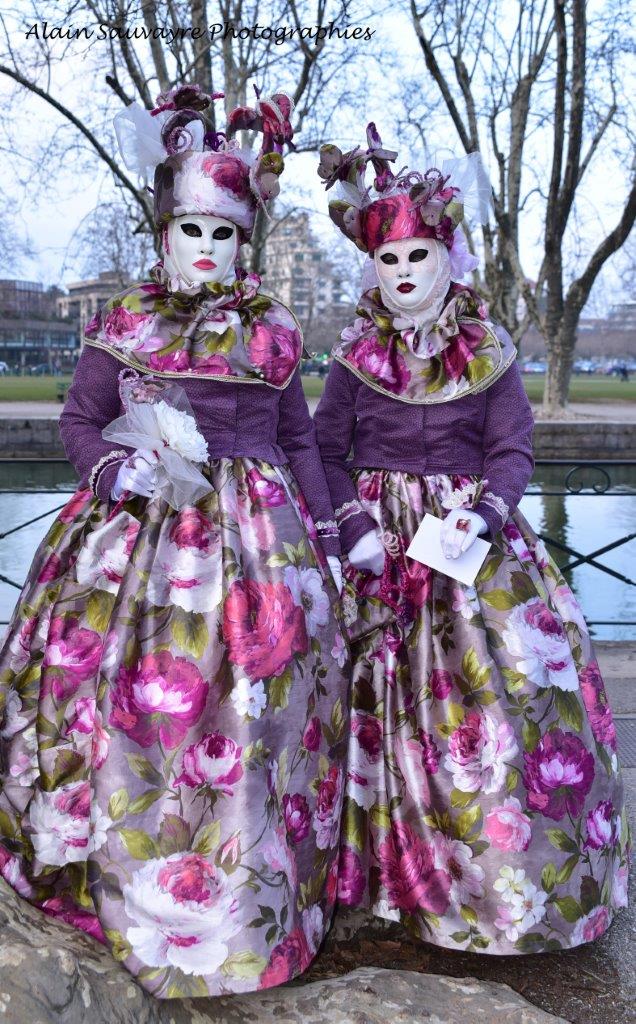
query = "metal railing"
{"x": 590, "y": 479}
{"x": 584, "y": 478}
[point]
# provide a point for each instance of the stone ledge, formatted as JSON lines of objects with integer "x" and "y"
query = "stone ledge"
{"x": 52, "y": 974}
{"x": 563, "y": 439}
{"x": 586, "y": 439}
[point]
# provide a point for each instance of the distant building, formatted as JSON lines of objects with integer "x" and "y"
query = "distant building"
{"x": 27, "y": 298}
{"x": 623, "y": 316}
{"x": 299, "y": 273}
{"x": 31, "y": 332}
{"x": 84, "y": 298}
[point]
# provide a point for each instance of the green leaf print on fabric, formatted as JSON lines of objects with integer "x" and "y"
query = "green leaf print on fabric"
{"x": 244, "y": 964}
{"x": 143, "y": 703}
{"x": 207, "y": 838}
{"x": 138, "y": 843}
{"x": 481, "y": 723}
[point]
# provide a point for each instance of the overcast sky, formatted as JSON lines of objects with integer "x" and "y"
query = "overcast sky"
{"x": 50, "y": 215}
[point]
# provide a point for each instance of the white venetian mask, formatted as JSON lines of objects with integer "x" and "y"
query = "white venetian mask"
{"x": 414, "y": 273}
{"x": 201, "y": 248}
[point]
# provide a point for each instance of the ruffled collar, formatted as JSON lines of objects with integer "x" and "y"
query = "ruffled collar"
{"x": 461, "y": 352}
{"x": 240, "y": 288}
{"x": 228, "y": 332}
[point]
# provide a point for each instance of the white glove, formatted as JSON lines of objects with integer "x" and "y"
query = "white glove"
{"x": 138, "y": 474}
{"x": 336, "y": 571}
{"x": 368, "y": 553}
{"x": 455, "y": 541}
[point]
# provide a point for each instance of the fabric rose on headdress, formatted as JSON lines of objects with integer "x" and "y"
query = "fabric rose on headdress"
{"x": 409, "y": 204}
{"x": 200, "y": 171}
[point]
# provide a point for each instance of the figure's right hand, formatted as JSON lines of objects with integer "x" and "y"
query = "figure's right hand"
{"x": 368, "y": 553}
{"x": 138, "y": 474}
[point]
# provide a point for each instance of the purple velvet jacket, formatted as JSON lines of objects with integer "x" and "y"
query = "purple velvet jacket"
{"x": 250, "y": 420}
{"x": 487, "y": 434}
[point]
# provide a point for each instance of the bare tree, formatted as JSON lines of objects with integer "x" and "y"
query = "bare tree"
{"x": 15, "y": 245}
{"x": 572, "y": 156}
{"x": 182, "y": 40}
{"x": 515, "y": 85}
{"x": 106, "y": 241}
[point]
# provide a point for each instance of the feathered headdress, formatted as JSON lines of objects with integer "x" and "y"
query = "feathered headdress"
{"x": 406, "y": 204}
{"x": 196, "y": 170}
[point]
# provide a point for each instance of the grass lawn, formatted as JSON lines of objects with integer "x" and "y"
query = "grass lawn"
{"x": 582, "y": 389}
{"x": 586, "y": 388}
{"x": 30, "y": 389}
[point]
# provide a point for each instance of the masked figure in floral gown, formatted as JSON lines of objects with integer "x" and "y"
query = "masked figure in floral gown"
{"x": 173, "y": 684}
{"x": 484, "y": 806}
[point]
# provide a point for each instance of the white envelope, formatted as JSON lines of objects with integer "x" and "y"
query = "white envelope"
{"x": 426, "y": 547}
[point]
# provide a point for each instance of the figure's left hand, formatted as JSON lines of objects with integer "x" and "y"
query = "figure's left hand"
{"x": 459, "y": 530}
{"x": 336, "y": 571}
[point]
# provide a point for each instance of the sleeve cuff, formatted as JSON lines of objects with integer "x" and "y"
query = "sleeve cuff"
{"x": 104, "y": 478}
{"x": 355, "y": 527}
{"x": 330, "y": 544}
{"x": 491, "y": 516}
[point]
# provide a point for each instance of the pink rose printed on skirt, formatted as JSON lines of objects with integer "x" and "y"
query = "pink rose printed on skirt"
{"x": 483, "y": 799}
{"x": 173, "y": 726}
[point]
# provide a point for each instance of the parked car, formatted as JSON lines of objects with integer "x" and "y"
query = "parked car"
{"x": 4, "y": 367}
{"x": 536, "y": 367}
{"x": 40, "y": 369}
{"x": 584, "y": 366}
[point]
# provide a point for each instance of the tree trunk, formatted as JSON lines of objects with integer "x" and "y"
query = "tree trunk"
{"x": 557, "y": 380}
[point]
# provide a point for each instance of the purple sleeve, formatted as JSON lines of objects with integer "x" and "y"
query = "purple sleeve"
{"x": 92, "y": 403}
{"x": 507, "y": 447}
{"x": 297, "y": 438}
{"x": 335, "y": 421}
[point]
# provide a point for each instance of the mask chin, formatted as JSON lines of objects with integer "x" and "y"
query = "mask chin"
{"x": 181, "y": 251}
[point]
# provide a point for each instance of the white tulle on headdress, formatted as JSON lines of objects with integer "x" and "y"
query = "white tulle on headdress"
{"x": 369, "y": 278}
{"x": 139, "y": 138}
{"x": 468, "y": 174}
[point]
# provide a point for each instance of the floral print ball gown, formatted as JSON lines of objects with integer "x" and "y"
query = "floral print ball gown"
{"x": 173, "y": 684}
{"x": 484, "y": 805}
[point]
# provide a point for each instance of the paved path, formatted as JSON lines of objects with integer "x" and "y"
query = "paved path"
{"x": 613, "y": 412}
{"x": 30, "y": 410}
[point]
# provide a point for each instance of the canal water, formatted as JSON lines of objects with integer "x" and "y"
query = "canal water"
{"x": 584, "y": 522}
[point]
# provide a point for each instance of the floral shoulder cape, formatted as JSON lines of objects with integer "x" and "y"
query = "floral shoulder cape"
{"x": 462, "y": 353}
{"x": 221, "y": 332}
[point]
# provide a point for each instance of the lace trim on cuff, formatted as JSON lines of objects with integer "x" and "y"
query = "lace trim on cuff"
{"x": 344, "y": 512}
{"x": 324, "y": 525}
{"x": 497, "y": 503}
{"x": 115, "y": 456}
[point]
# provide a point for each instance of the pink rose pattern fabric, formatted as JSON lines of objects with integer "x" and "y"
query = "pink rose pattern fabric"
{"x": 222, "y": 331}
{"x": 483, "y": 799}
{"x": 471, "y": 351}
{"x": 163, "y": 674}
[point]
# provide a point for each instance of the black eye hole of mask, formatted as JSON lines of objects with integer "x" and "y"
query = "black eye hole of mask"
{"x": 193, "y": 230}
{"x": 223, "y": 232}
{"x": 417, "y": 255}
{"x": 389, "y": 258}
